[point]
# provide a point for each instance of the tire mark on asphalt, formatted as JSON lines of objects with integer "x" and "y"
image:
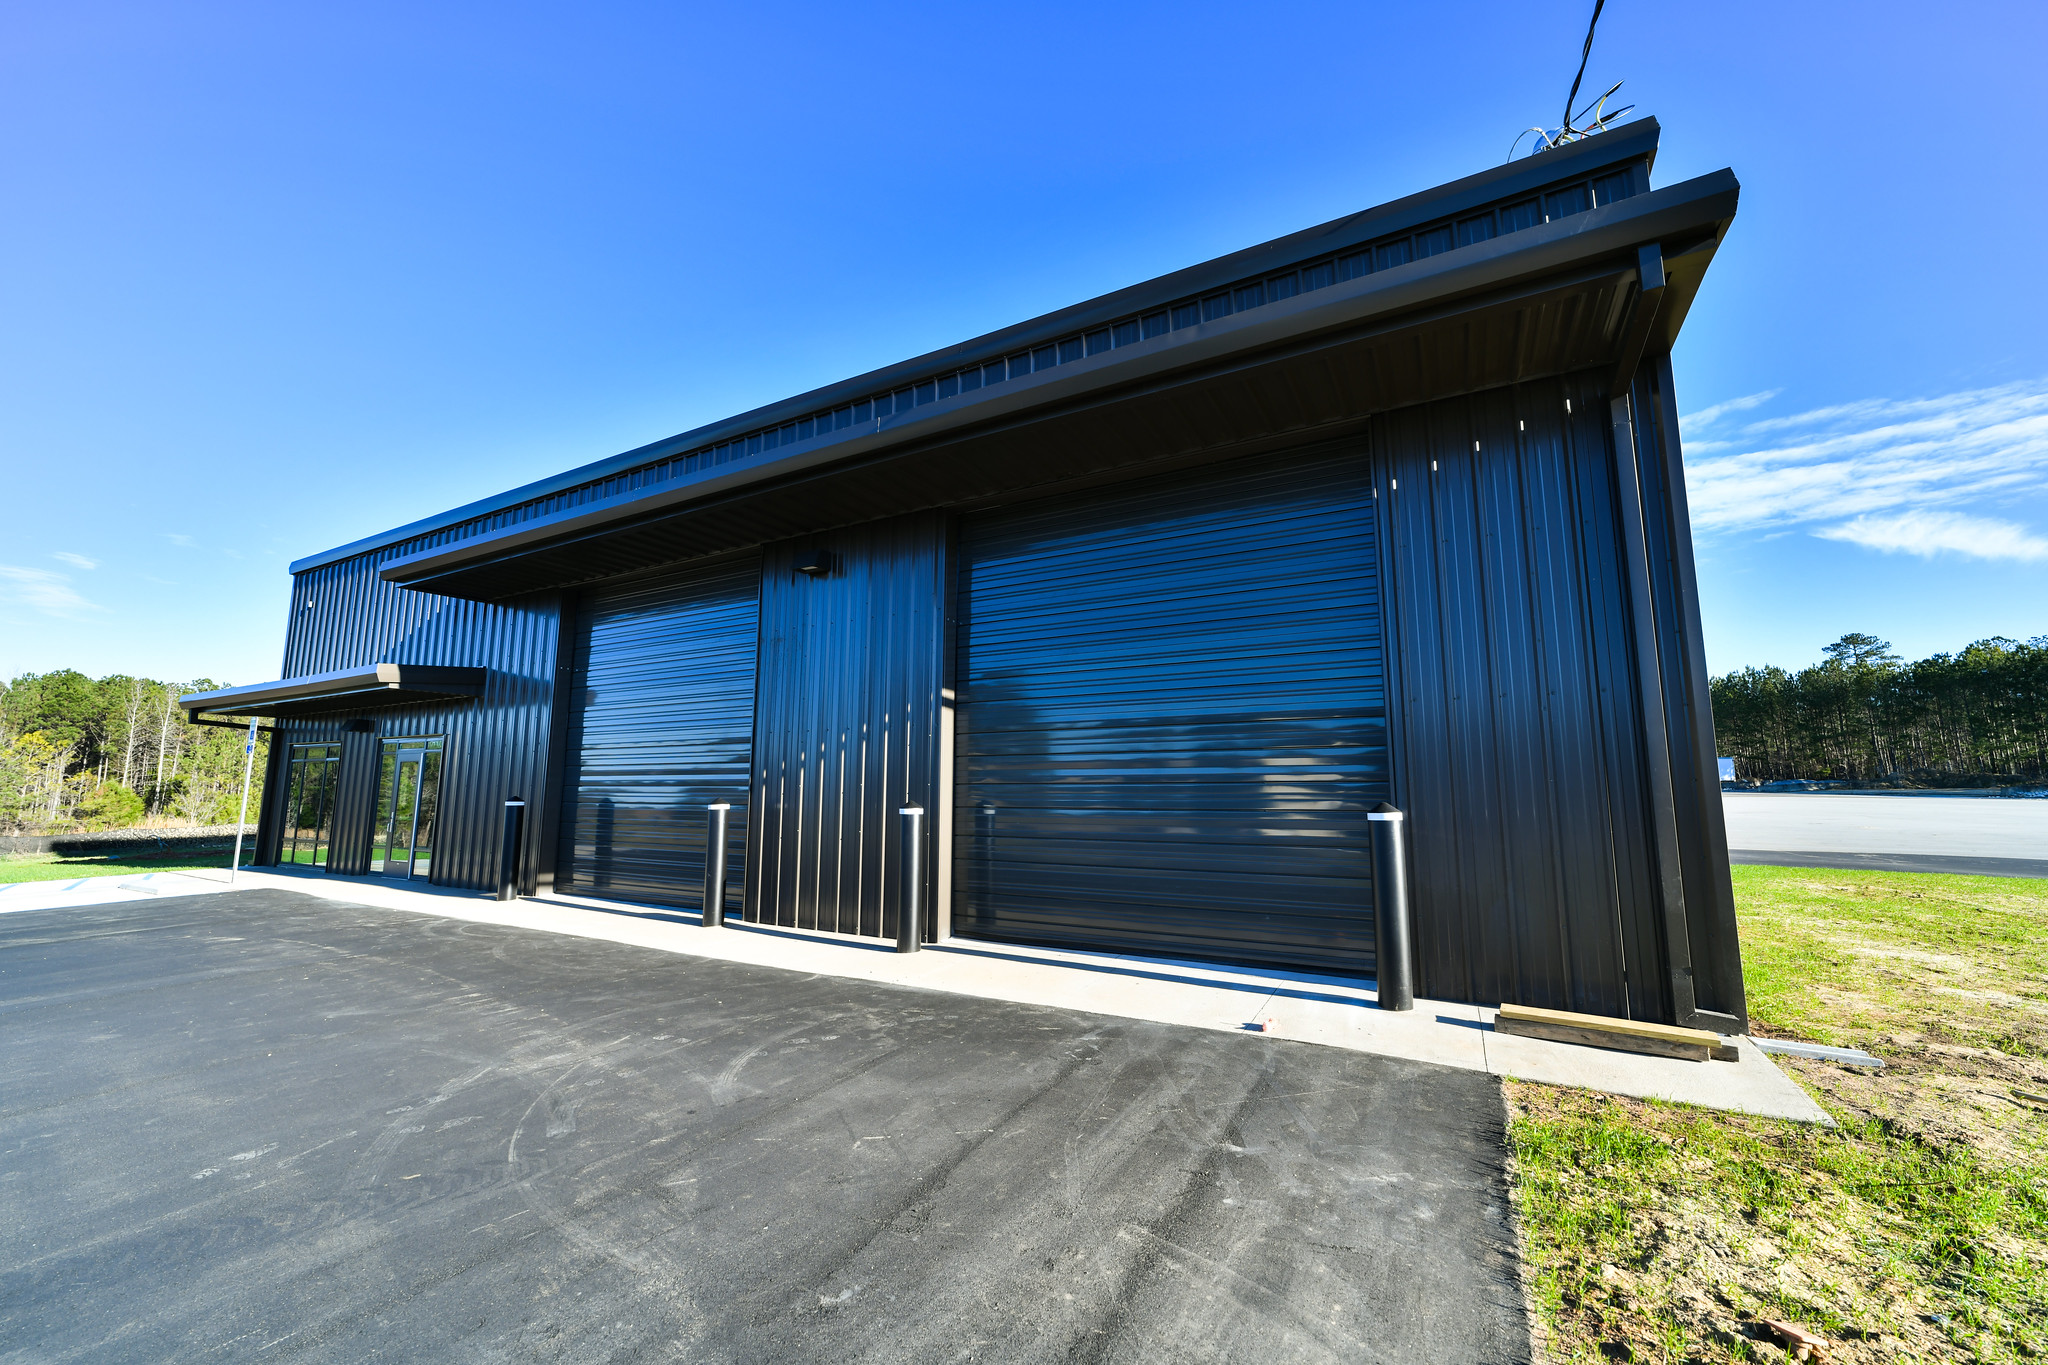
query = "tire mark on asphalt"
{"x": 723, "y": 1085}
{"x": 926, "y": 1189}
{"x": 1162, "y": 1234}
{"x": 399, "y": 1129}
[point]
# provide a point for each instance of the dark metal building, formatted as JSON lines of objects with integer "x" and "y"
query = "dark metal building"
{"x": 1148, "y": 601}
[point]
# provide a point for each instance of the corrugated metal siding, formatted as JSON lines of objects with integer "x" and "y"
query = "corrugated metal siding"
{"x": 344, "y": 616}
{"x": 1172, "y": 717}
{"x": 664, "y": 707}
{"x": 1689, "y": 720}
{"x": 847, "y": 725}
{"x": 1516, "y": 741}
{"x": 270, "y": 814}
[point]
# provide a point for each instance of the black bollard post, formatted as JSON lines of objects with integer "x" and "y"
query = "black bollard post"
{"x": 508, "y": 853}
{"x": 1390, "y": 880}
{"x": 714, "y": 864}
{"x": 910, "y": 912}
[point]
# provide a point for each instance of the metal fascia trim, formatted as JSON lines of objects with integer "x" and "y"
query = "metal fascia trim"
{"x": 1623, "y": 226}
{"x": 382, "y": 677}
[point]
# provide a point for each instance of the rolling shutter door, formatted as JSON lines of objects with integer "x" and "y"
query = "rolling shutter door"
{"x": 1171, "y": 719}
{"x": 664, "y": 727}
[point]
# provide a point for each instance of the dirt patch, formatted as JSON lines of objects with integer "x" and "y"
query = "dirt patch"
{"x": 1944, "y": 1095}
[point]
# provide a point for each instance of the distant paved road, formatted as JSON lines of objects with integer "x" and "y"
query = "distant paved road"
{"x": 263, "y": 1126}
{"x": 1911, "y": 833}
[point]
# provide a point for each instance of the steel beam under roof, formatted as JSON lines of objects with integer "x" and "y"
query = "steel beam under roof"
{"x": 350, "y": 689}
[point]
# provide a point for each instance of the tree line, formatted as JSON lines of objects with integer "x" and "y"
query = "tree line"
{"x": 78, "y": 753}
{"x": 1862, "y": 714}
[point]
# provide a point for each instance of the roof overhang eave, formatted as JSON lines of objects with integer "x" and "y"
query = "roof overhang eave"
{"x": 1630, "y": 142}
{"x": 352, "y": 689}
{"x": 1681, "y": 220}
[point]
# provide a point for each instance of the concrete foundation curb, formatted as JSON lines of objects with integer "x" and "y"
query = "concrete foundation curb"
{"x": 1331, "y": 1011}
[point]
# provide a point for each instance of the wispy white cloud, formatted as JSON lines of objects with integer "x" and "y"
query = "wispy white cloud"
{"x": 76, "y": 561}
{"x": 1876, "y": 473}
{"x": 43, "y": 590}
{"x": 1928, "y": 534}
{"x": 1693, "y": 422}
{"x": 177, "y": 539}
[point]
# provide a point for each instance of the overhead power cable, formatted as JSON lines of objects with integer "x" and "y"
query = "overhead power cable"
{"x": 1584, "y": 53}
{"x": 1576, "y": 126}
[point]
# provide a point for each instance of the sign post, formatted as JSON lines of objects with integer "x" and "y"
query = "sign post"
{"x": 242, "y": 814}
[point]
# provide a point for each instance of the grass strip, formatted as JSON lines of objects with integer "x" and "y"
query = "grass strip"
{"x": 1915, "y": 1230}
{"x": 51, "y": 867}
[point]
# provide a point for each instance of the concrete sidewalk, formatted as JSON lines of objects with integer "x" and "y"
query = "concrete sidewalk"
{"x": 1332, "y": 1011}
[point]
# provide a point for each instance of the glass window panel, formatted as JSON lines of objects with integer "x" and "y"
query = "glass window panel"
{"x": 405, "y": 806}
{"x": 323, "y": 838}
{"x": 380, "y": 840}
{"x": 308, "y": 805}
{"x": 294, "y": 802}
{"x": 427, "y": 807}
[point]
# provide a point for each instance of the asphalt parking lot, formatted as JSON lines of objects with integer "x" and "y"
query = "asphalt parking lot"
{"x": 260, "y": 1125}
{"x": 1985, "y": 835}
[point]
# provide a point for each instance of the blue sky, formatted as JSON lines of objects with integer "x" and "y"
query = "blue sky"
{"x": 276, "y": 277}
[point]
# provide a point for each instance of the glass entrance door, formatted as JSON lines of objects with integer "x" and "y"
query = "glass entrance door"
{"x": 408, "y": 800}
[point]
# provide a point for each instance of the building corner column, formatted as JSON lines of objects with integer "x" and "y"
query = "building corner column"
{"x": 1655, "y": 736}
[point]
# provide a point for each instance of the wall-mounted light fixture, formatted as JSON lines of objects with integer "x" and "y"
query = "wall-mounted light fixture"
{"x": 816, "y": 563}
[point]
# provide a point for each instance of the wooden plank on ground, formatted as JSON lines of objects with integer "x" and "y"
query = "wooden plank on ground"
{"x": 1620, "y": 1035}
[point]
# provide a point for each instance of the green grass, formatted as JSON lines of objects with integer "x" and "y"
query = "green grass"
{"x": 1848, "y": 957}
{"x": 1915, "y": 1230}
{"x": 51, "y": 867}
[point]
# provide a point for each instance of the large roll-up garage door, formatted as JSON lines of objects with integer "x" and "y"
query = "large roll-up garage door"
{"x": 1171, "y": 717}
{"x": 664, "y": 727}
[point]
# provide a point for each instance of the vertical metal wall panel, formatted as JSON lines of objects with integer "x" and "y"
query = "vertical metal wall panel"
{"x": 664, "y": 717}
{"x": 1171, "y": 716}
{"x": 545, "y": 825}
{"x": 1517, "y": 751}
{"x": 269, "y": 812}
{"x": 1644, "y": 986}
{"x": 1703, "y": 837}
{"x": 345, "y": 616}
{"x": 847, "y": 724}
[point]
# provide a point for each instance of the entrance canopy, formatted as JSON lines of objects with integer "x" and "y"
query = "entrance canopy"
{"x": 350, "y": 689}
